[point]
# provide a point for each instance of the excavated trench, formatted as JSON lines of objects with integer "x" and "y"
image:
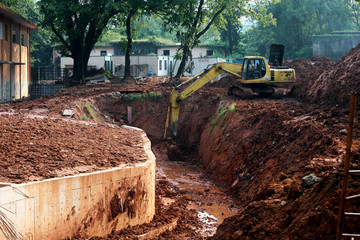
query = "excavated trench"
{"x": 260, "y": 151}
{"x": 209, "y": 199}
{"x": 279, "y": 160}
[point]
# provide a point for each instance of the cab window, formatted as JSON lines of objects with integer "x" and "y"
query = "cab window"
{"x": 253, "y": 69}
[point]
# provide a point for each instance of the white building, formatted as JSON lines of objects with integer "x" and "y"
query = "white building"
{"x": 158, "y": 65}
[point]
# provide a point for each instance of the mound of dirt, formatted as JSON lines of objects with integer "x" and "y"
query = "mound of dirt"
{"x": 225, "y": 82}
{"x": 335, "y": 84}
{"x": 34, "y": 149}
{"x": 307, "y": 71}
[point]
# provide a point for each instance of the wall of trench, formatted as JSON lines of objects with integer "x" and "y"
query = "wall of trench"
{"x": 260, "y": 151}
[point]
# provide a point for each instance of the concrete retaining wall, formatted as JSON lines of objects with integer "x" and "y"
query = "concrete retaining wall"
{"x": 84, "y": 205}
{"x": 334, "y": 46}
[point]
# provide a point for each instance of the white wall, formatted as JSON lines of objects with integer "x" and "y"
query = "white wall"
{"x": 200, "y": 64}
{"x": 97, "y": 61}
{"x": 196, "y": 51}
{"x": 97, "y": 51}
{"x": 153, "y": 63}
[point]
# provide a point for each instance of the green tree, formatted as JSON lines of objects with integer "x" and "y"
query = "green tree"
{"x": 134, "y": 10}
{"x": 296, "y": 22}
{"x": 231, "y": 34}
{"x": 191, "y": 19}
{"x": 78, "y": 26}
{"x": 354, "y": 12}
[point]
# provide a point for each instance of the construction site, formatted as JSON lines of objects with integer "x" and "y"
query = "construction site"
{"x": 91, "y": 161}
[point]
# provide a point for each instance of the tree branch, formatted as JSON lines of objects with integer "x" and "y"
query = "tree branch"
{"x": 198, "y": 14}
{"x": 60, "y": 37}
{"x": 210, "y": 23}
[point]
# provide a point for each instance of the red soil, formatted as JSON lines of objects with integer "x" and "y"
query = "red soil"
{"x": 34, "y": 149}
{"x": 260, "y": 151}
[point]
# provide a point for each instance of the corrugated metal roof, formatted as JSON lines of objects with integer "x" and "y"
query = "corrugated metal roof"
{"x": 9, "y": 13}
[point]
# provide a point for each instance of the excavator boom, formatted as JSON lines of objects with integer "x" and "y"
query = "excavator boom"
{"x": 195, "y": 82}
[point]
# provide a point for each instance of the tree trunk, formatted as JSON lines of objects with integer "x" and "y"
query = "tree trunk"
{"x": 184, "y": 59}
{"x": 127, "y": 73}
{"x": 78, "y": 69}
{"x": 81, "y": 59}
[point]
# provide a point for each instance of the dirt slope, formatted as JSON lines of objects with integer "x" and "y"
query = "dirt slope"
{"x": 334, "y": 85}
{"x": 307, "y": 71}
{"x": 262, "y": 154}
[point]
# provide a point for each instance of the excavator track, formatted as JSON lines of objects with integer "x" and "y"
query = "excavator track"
{"x": 240, "y": 92}
{"x": 247, "y": 92}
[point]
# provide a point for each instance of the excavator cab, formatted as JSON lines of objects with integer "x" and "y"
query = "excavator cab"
{"x": 253, "y": 68}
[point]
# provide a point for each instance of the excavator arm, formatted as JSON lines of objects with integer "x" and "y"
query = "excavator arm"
{"x": 195, "y": 82}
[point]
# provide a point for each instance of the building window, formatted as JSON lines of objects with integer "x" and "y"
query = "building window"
{"x": 103, "y": 53}
{"x": 167, "y": 52}
{"x": 13, "y": 38}
{"x": 1, "y": 30}
{"x": 15, "y": 34}
{"x": 24, "y": 39}
{"x": 171, "y": 67}
{"x": 160, "y": 65}
{"x": 209, "y": 52}
{"x": 165, "y": 65}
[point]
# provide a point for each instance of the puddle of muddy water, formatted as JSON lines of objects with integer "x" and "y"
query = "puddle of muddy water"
{"x": 212, "y": 204}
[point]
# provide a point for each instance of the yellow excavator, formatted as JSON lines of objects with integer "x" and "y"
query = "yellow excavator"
{"x": 256, "y": 77}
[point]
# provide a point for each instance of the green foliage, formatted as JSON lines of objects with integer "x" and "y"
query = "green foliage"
{"x": 91, "y": 112}
{"x": 220, "y": 114}
{"x": 107, "y": 74}
{"x": 110, "y": 36}
{"x": 84, "y": 117}
{"x": 153, "y": 28}
{"x": 132, "y": 97}
{"x": 78, "y": 26}
{"x": 296, "y": 24}
{"x": 191, "y": 20}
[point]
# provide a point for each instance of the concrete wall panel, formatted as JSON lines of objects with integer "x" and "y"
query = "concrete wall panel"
{"x": 84, "y": 205}
{"x": 334, "y": 46}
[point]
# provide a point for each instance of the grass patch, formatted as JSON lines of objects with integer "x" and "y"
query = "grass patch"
{"x": 84, "y": 117}
{"x": 91, "y": 112}
{"x": 220, "y": 114}
{"x": 132, "y": 97}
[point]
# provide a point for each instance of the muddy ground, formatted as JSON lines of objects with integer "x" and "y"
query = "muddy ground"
{"x": 279, "y": 159}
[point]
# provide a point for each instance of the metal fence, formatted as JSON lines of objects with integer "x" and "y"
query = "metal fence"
{"x": 50, "y": 75}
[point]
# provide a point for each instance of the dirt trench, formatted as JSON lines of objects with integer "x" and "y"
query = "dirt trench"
{"x": 259, "y": 150}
